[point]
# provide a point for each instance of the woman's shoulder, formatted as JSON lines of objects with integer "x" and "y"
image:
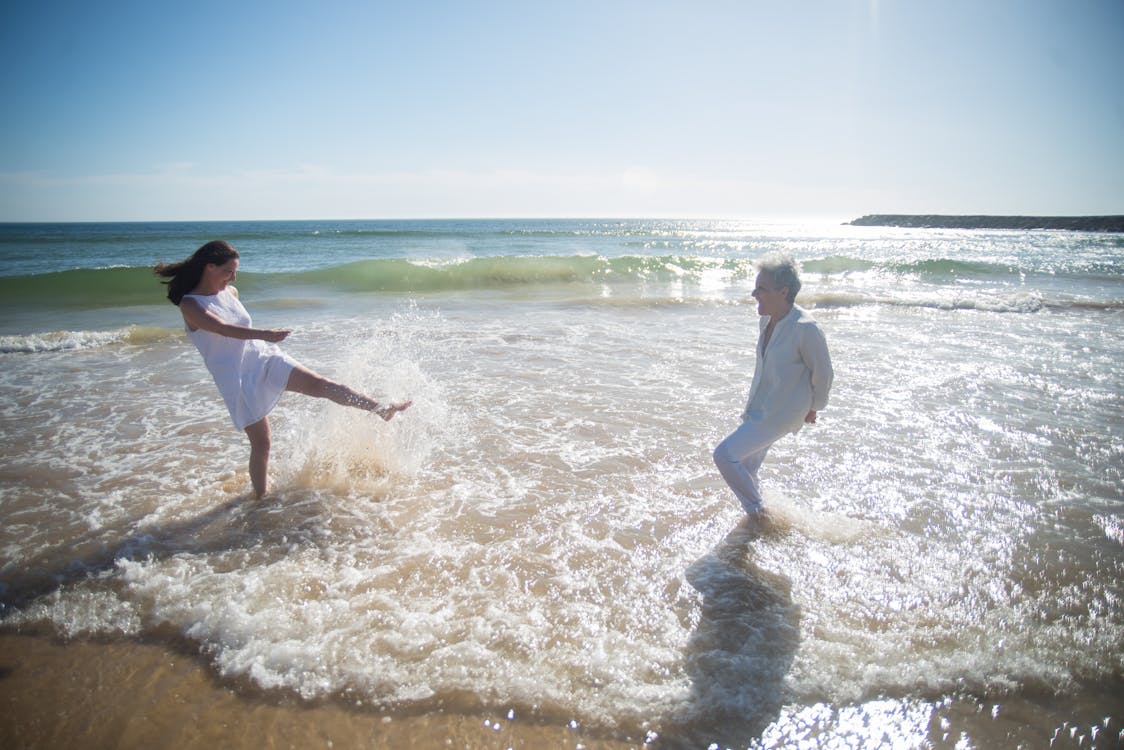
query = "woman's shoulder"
{"x": 216, "y": 295}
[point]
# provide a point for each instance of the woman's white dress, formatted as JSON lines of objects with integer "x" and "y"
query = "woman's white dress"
{"x": 251, "y": 374}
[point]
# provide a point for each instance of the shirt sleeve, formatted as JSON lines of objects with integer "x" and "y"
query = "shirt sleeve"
{"x": 813, "y": 350}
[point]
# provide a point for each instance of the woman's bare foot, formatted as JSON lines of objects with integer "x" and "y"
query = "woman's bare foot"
{"x": 388, "y": 412}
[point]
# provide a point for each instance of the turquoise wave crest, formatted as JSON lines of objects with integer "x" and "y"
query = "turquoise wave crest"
{"x": 122, "y": 287}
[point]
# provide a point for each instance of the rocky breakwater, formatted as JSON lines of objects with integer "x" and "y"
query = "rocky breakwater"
{"x": 933, "y": 221}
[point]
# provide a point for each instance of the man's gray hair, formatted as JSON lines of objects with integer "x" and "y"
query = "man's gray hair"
{"x": 784, "y": 271}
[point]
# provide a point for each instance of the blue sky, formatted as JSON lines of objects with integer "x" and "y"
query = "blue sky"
{"x": 294, "y": 110}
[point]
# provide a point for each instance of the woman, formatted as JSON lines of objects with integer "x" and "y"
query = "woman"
{"x": 791, "y": 380}
{"x": 250, "y": 371}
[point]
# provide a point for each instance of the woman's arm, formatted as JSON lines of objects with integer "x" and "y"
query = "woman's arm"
{"x": 198, "y": 318}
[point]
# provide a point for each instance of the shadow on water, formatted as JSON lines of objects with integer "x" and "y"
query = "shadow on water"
{"x": 277, "y": 521}
{"x": 742, "y": 648}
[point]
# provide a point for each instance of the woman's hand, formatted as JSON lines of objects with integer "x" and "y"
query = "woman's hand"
{"x": 273, "y": 335}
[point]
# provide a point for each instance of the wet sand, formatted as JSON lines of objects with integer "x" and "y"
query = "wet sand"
{"x": 125, "y": 694}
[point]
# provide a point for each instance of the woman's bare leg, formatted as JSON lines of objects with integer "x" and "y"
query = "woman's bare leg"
{"x": 305, "y": 381}
{"x": 259, "y": 436}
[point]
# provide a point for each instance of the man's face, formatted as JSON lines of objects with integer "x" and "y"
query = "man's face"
{"x": 771, "y": 301}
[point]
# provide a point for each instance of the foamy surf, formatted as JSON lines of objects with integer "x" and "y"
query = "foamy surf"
{"x": 782, "y": 513}
{"x": 61, "y": 341}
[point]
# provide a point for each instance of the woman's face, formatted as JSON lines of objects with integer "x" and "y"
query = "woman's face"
{"x": 222, "y": 276}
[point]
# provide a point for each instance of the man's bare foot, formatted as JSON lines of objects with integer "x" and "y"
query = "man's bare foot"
{"x": 388, "y": 412}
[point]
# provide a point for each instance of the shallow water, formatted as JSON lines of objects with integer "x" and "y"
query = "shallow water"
{"x": 543, "y": 533}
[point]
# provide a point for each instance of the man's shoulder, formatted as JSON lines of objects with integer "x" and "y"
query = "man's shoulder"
{"x": 802, "y": 315}
{"x": 805, "y": 321}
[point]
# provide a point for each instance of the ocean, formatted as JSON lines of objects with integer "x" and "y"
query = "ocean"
{"x": 540, "y": 552}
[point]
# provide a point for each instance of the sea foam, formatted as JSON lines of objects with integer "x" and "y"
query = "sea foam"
{"x": 58, "y": 341}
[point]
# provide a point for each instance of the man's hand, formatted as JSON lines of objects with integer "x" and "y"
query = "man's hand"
{"x": 810, "y": 417}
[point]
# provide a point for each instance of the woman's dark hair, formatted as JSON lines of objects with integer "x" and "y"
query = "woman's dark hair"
{"x": 186, "y": 274}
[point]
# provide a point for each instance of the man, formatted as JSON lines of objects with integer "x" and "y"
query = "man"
{"x": 791, "y": 380}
